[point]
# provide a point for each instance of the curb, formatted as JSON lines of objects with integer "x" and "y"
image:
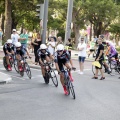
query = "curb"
{"x": 8, "y": 79}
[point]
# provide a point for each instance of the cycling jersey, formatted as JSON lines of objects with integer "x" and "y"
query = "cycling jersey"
{"x": 8, "y": 48}
{"x": 112, "y": 52}
{"x": 21, "y": 51}
{"x": 42, "y": 55}
{"x": 62, "y": 59}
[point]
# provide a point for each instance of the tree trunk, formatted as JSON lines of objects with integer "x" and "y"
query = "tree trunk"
{"x": 76, "y": 29}
{"x": 8, "y": 20}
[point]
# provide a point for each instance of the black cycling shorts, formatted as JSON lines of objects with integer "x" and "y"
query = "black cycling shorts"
{"x": 61, "y": 64}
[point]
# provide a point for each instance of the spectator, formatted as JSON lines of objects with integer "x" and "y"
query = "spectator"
{"x": 24, "y": 38}
{"x": 34, "y": 36}
{"x": 92, "y": 49}
{"x": 36, "y": 44}
{"x": 69, "y": 45}
{"x": 1, "y": 33}
{"x": 53, "y": 36}
{"x": 59, "y": 41}
{"x": 14, "y": 36}
{"x": 82, "y": 53}
{"x": 100, "y": 58}
{"x": 51, "y": 46}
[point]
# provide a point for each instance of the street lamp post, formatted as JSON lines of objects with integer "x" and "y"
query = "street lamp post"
{"x": 69, "y": 20}
{"x": 44, "y": 29}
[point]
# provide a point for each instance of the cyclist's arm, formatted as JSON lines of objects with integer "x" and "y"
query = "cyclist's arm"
{"x": 57, "y": 67}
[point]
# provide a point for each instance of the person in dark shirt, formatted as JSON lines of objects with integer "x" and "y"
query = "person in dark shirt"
{"x": 36, "y": 44}
{"x": 100, "y": 58}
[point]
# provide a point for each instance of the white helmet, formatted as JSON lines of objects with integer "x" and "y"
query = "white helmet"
{"x": 9, "y": 41}
{"x": 43, "y": 46}
{"x": 60, "y": 47}
{"x": 17, "y": 44}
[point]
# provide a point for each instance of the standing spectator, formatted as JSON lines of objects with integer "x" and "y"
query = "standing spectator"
{"x": 53, "y": 36}
{"x": 1, "y": 33}
{"x": 69, "y": 45}
{"x": 34, "y": 36}
{"x": 36, "y": 43}
{"x": 59, "y": 41}
{"x": 82, "y": 53}
{"x": 24, "y": 38}
{"x": 51, "y": 46}
{"x": 14, "y": 36}
{"x": 100, "y": 58}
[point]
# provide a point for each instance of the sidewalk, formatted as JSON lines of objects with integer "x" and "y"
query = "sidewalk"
{"x": 4, "y": 78}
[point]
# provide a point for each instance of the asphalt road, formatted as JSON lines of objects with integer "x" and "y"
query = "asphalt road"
{"x": 25, "y": 99}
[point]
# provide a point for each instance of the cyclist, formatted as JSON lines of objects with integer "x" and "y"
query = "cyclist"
{"x": 8, "y": 49}
{"x": 62, "y": 57}
{"x": 44, "y": 54}
{"x": 20, "y": 54}
{"x": 112, "y": 52}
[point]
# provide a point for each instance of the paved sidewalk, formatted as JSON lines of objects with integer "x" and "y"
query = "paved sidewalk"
{"x": 4, "y": 78}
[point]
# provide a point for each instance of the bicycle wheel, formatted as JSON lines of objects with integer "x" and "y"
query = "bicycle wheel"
{"x": 27, "y": 70}
{"x": 54, "y": 78}
{"x": 5, "y": 63}
{"x": 72, "y": 90}
{"x": 21, "y": 73}
{"x": 16, "y": 66}
{"x": 46, "y": 78}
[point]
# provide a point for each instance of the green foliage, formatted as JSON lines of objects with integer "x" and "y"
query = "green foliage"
{"x": 62, "y": 34}
{"x": 115, "y": 28}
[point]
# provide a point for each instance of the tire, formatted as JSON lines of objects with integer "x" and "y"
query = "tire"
{"x": 21, "y": 73}
{"x": 27, "y": 70}
{"x": 72, "y": 90}
{"x": 5, "y": 64}
{"x": 16, "y": 66}
{"x": 54, "y": 77}
{"x": 46, "y": 78}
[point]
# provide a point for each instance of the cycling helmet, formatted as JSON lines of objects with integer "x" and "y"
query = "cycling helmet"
{"x": 60, "y": 47}
{"x": 43, "y": 46}
{"x": 17, "y": 44}
{"x": 9, "y": 41}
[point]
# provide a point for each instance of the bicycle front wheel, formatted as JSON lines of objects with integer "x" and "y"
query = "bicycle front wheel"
{"x": 54, "y": 78}
{"x": 72, "y": 90}
{"x": 27, "y": 70}
{"x": 16, "y": 66}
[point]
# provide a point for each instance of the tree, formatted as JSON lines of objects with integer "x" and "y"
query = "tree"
{"x": 8, "y": 19}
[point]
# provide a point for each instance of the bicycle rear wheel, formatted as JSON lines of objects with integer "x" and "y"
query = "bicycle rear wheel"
{"x": 27, "y": 70}
{"x": 72, "y": 90}
{"x": 54, "y": 78}
{"x": 5, "y": 63}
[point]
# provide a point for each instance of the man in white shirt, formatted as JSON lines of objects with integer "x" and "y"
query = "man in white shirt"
{"x": 82, "y": 53}
{"x": 14, "y": 36}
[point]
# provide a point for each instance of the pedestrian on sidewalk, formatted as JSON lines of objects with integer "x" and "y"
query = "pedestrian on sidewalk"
{"x": 14, "y": 36}
{"x": 100, "y": 59}
{"x": 82, "y": 47}
{"x": 36, "y": 44}
{"x": 69, "y": 45}
{"x": 24, "y": 39}
{"x": 51, "y": 45}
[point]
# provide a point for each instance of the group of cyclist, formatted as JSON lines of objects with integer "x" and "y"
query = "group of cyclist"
{"x": 61, "y": 58}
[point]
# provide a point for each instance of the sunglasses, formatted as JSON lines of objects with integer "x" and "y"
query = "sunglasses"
{"x": 59, "y": 50}
{"x": 18, "y": 47}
